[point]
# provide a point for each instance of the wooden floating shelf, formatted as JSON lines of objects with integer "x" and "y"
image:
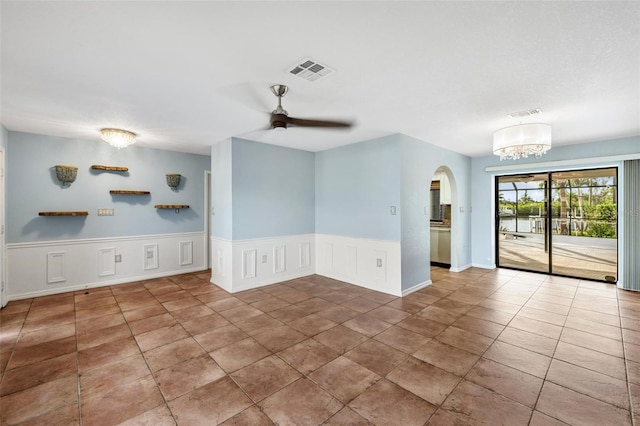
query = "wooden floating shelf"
{"x": 128, "y": 192}
{"x": 63, "y": 214}
{"x": 110, "y": 168}
{"x": 171, "y": 206}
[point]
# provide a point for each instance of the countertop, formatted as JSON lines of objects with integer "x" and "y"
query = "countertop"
{"x": 440, "y": 227}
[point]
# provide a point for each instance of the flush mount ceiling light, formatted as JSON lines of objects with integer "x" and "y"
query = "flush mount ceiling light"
{"x": 117, "y": 137}
{"x": 522, "y": 140}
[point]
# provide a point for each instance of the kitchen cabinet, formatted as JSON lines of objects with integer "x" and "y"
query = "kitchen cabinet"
{"x": 445, "y": 188}
{"x": 441, "y": 244}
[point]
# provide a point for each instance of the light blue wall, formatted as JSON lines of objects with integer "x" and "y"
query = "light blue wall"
{"x": 4, "y": 137}
{"x": 221, "y": 190}
{"x": 273, "y": 190}
{"x": 419, "y": 162}
{"x": 33, "y": 187}
{"x": 355, "y": 187}
{"x": 483, "y": 246}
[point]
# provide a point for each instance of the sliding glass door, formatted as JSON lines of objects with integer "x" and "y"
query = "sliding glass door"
{"x": 562, "y": 223}
{"x": 521, "y": 217}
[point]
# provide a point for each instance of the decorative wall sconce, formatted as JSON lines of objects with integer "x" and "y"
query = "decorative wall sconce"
{"x": 66, "y": 174}
{"x": 173, "y": 180}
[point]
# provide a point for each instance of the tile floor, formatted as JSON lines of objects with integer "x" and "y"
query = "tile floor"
{"x": 477, "y": 347}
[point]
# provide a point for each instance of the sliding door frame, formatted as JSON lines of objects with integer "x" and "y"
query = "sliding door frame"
{"x": 548, "y": 232}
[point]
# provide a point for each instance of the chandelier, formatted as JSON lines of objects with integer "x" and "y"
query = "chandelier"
{"x": 118, "y": 138}
{"x": 522, "y": 140}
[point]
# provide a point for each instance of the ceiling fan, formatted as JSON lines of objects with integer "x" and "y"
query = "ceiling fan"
{"x": 280, "y": 117}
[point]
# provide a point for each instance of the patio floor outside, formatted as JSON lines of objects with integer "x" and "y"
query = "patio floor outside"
{"x": 581, "y": 257}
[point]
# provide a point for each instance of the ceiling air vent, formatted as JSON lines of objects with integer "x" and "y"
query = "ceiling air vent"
{"x": 310, "y": 69}
{"x": 527, "y": 113}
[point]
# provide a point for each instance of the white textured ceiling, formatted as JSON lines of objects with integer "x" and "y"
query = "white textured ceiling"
{"x": 185, "y": 75}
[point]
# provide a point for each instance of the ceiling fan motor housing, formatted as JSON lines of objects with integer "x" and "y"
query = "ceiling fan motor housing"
{"x": 279, "y": 121}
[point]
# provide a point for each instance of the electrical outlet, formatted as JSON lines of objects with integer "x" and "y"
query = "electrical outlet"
{"x": 393, "y": 210}
{"x": 150, "y": 254}
{"x": 379, "y": 263}
{"x": 264, "y": 258}
{"x": 118, "y": 258}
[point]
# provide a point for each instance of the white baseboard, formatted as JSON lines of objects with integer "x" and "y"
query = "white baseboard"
{"x": 416, "y": 287}
{"x": 50, "y": 267}
{"x": 49, "y": 292}
{"x": 483, "y": 266}
{"x": 460, "y": 268}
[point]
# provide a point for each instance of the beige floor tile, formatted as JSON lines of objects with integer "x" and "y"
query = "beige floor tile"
{"x": 474, "y": 347}
{"x": 265, "y": 377}
{"x": 183, "y": 377}
{"x": 446, "y": 357}
{"x": 215, "y": 402}
{"x": 514, "y": 384}
{"x": 478, "y": 405}
{"x": 575, "y": 408}
{"x": 386, "y": 403}
{"x": 239, "y": 354}
{"x": 308, "y": 355}
{"x": 344, "y": 378}
{"x": 302, "y": 402}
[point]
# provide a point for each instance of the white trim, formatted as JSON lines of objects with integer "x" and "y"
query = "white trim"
{"x": 369, "y": 263}
{"x": 483, "y": 266}
{"x": 240, "y": 265}
{"x": 416, "y": 287}
{"x": 55, "y": 267}
{"x": 39, "y": 268}
{"x": 3, "y": 249}
{"x": 185, "y": 253}
{"x": 208, "y": 262}
{"x": 100, "y": 240}
{"x": 460, "y": 268}
{"x": 39, "y": 293}
{"x": 249, "y": 263}
{"x": 563, "y": 163}
{"x": 150, "y": 256}
{"x": 106, "y": 261}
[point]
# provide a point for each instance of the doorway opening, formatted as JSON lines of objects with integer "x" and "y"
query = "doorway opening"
{"x": 440, "y": 218}
{"x": 560, "y": 223}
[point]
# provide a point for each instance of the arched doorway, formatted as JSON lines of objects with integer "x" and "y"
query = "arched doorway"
{"x": 442, "y": 218}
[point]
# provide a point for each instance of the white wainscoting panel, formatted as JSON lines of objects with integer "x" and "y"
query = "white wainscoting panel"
{"x": 49, "y": 267}
{"x": 249, "y": 264}
{"x": 221, "y": 270}
{"x": 355, "y": 260}
{"x": 279, "y": 259}
{"x": 328, "y": 256}
{"x": 55, "y": 267}
{"x": 352, "y": 261}
{"x": 186, "y": 253}
{"x": 284, "y": 260}
{"x": 305, "y": 255}
{"x": 381, "y": 265}
{"x": 150, "y": 256}
{"x": 106, "y": 261}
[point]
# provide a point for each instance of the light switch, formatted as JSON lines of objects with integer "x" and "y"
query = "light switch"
{"x": 393, "y": 210}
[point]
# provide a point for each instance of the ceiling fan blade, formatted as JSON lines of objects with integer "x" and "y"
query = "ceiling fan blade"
{"x": 303, "y": 122}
